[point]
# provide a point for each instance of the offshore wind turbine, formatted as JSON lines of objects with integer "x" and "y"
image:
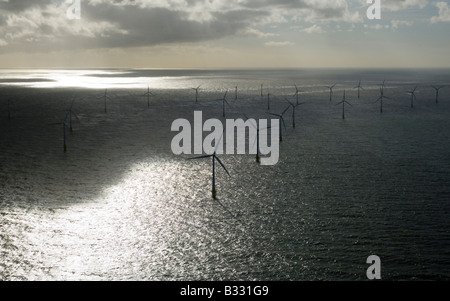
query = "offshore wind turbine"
{"x": 71, "y": 112}
{"x": 343, "y": 102}
{"x": 64, "y": 126}
{"x": 258, "y": 158}
{"x": 224, "y": 101}
{"x": 297, "y": 93}
{"x": 105, "y": 97}
{"x": 262, "y": 85}
{"x": 294, "y": 107}
{"x": 359, "y": 87}
{"x": 236, "y": 93}
{"x": 196, "y": 93}
{"x": 148, "y": 94}
{"x": 331, "y": 91}
{"x": 413, "y": 96}
{"x": 214, "y": 159}
{"x": 268, "y": 101}
{"x": 9, "y": 108}
{"x": 281, "y": 118}
{"x": 381, "y": 98}
{"x": 437, "y": 88}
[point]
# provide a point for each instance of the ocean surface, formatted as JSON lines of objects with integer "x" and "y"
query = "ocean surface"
{"x": 119, "y": 205}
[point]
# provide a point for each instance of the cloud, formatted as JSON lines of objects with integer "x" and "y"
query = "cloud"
{"x": 113, "y": 25}
{"x": 444, "y": 13}
{"x": 42, "y": 25}
{"x": 313, "y": 29}
{"x": 17, "y": 6}
{"x": 310, "y": 10}
{"x": 395, "y": 24}
{"x": 43, "y": 29}
{"x": 278, "y": 44}
{"x": 259, "y": 34}
{"x": 376, "y": 26}
{"x": 147, "y": 27}
{"x": 396, "y": 5}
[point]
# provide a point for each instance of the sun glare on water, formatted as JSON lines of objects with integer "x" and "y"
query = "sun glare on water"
{"x": 127, "y": 232}
{"x": 89, "y": 79}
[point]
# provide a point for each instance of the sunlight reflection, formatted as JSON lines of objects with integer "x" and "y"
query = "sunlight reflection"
{"x": 90, "y": 79}
{"x": 134, "y": 221}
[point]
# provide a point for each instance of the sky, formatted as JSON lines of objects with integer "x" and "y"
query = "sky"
{"x": 223, "y": 34}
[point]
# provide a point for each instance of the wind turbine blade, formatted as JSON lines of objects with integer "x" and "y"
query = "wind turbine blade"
{"x": 75, "y": 114}
{"x": 254, "y": 142}
{"x": 251, "y": 122}
{"x": 274, "y": 114}
{"x": 218, "y": 142}
{"x": 201, "y": 157}
{"x": 284, "y": 124}
{"x": 225, "y": 208}
{"x": 289, "y": 102}
{"x": 67, "y": 115}
{"x": 223, "y": 166}
{"x": 285, "y": 110}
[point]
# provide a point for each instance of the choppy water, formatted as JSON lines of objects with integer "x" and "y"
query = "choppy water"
{"x": 120, "y": 206}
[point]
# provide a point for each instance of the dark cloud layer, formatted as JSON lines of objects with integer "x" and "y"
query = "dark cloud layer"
{"x": 161, "y": 25}
{"x": 38, "y": 25}
{"x": 41, "y": 25}
{"x": 16, "y": 6}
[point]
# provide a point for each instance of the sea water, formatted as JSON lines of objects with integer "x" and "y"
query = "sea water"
{"x": 119, "y": 205}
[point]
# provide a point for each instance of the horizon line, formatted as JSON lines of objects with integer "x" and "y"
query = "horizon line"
{"x": 228, "y": 68}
